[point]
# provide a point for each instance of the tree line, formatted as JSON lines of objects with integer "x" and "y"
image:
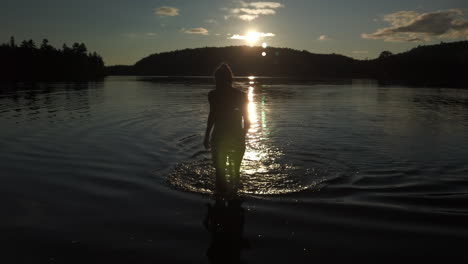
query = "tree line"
{"x": 29, "y": 62}
{"x": 440, "y": 64}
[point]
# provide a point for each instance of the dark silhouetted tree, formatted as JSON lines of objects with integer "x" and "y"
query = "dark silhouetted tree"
{"x": 66, "y": 49}
{"x": 79, "y": 48}
{"x": 28, "y": 44}
{"x": 385, "y": 54}
{"x": 12, "y": 42}
{"x": 45, "y": 46}
{"x": 28, "y": 63}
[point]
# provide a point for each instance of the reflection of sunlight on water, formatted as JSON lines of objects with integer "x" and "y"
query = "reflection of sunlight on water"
{"x": 252, "y": 112}
{"x": 262, "y": 174}
{"x": 252, "y": 152}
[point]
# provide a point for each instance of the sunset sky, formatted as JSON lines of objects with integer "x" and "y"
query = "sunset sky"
{"x": 125, "y": 31}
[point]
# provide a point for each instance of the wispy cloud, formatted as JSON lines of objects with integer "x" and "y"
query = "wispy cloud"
{"x": 409, "y": 26}
{"x": 251, "y": 35}
{"x": 210, "y": 21}
{"x": 246, "y": 17}
{"x": 323, "y": 38}
{"x": 262, "y": 4}
{"x": 249, "y": 11}
{"x": 166, "y": 11}
{"x": 139, "y": 35}
{"x": 198, "y": 30}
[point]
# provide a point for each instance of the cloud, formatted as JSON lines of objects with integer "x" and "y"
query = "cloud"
{"x": 166, "y": 11}
{"x": 247, "y": 17}
{"x": 139, "y": 35}
{"x": 249, "y": 11}
{"x": 409, "y": 26}
{"x": 250, "y": 35}
{"x": 199, "y": 31}
{"x": 253, "y": 10}
{"x": 210, "y": 21}
{"x": 261, "y": 5}
{"x": 323, "y": 38}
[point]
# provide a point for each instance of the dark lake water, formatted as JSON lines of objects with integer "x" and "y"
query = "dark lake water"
{"x": 115, "y": 172}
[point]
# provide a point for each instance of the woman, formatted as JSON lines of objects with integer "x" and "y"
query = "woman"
{"x": 230, "y": 119}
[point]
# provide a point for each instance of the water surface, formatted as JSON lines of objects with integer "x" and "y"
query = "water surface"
{"x": 115, "y": 171}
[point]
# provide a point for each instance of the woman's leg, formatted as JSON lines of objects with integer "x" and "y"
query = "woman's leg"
{"x": 236, "y": 158}
{"x": 219, "y": 156}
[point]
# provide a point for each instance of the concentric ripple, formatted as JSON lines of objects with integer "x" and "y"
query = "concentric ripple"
{"x": 272, "y": 179}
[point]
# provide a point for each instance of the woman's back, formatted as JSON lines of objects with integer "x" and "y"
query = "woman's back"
{"x": 227, "y": 107}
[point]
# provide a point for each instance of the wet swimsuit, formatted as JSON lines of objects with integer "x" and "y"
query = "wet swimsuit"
{"x": 226, "y": 106}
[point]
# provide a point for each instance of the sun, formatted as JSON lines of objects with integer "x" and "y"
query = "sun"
{"x": 252, "y": 37}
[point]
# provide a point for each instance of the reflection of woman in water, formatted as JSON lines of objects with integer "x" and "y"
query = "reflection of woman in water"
{"x": 225, "y": 222}
{"x": 229, "y": 116}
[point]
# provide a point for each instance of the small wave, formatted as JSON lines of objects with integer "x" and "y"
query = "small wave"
{"x": 269, "y": 179}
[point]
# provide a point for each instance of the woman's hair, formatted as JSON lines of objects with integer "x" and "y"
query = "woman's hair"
{"x": 223, "y": 76}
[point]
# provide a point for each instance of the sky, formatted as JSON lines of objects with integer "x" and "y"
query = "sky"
{"x": 123, "y": 31}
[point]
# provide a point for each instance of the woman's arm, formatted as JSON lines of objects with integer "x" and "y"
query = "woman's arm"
{"x": 209, "y": 123}
{"x": 209, "y": 126}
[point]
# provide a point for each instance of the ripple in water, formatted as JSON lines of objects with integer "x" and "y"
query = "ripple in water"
{"x": 198, "y": 176}
{"x": 266, "y": 174}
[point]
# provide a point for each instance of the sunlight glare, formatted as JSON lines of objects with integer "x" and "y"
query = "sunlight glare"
{"x": 264, "y": 45}
{"x": 252, "y": 37}
{"x": 251, "y": 77}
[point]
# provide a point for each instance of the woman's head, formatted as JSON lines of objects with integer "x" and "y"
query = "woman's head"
{"x": 223, "y": 76}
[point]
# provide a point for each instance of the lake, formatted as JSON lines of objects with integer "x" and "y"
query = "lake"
{"x": 115, "y": 172}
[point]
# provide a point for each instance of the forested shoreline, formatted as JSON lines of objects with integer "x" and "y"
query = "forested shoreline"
{"x": 440, "y": 64}
{"x": 443, "y": 64}
{"x": 30, "y": 62}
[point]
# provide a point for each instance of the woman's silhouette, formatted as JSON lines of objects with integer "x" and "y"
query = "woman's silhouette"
{"x": 230, "y": 119}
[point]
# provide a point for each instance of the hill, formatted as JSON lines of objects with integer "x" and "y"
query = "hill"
{"x": 440, "y": 64}
{"x": 245, "y": 61}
